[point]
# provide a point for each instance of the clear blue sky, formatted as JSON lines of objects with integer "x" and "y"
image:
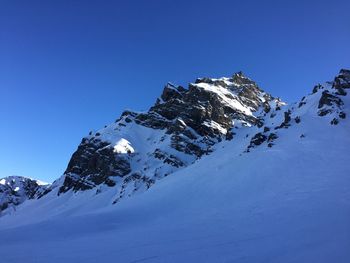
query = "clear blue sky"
{"x": 67, "y": 67}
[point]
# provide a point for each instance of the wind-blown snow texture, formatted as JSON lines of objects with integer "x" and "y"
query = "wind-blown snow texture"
{"x": 244, "y": 178}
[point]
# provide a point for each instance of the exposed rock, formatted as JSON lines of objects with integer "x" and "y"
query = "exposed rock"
{"x": 324, "y": 112}
{"x": 335, "y": 121}
{"x": 168, "y": 158}
{"x": 257, "y": 139}
{"x": 316, "y": 88}
{"x": 172, "y": 92}
{"x": 341, "y": 91}
{"x": 286, "y": 121}
{"x": 272, "y": 137}
{"x": 92, "y": 164}
{"x": 301, "y": 104}
{"x": 14, "y": 190}
{"x": 266, "y": 129}
{"x": 342, "y": 81}
{"x": 329, "y": 99}
{"x": 137, "y": 181}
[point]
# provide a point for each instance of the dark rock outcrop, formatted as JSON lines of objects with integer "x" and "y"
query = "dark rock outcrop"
{"x": 329, "y": 99}
{"x": 286, "y": 121}
{"x": 95, "y": 162}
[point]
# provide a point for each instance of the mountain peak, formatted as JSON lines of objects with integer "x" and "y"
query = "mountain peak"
{"x": 239, "y": 74}
{"x": 181, "y": 127}
{"x": 240, "y": 78}
{"x": 342, "y": 81}
{"x": 345, "y": 73}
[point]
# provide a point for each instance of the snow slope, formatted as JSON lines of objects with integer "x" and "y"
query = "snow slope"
{"x": 285, "y": 203}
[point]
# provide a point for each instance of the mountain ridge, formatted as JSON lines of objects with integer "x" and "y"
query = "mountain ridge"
{"x": 277, "y": 190}
{"x": 137, "y": 150}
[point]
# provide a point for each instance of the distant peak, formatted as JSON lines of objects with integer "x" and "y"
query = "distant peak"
{"x": 239, "y": 74}
{"x": 18, "y": 178}
{"x": 170, "y": 85}
{"x": 241, "y": 79}
{"x": 172, "y": 91}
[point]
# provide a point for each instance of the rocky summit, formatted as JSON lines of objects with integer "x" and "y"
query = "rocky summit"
{"x": 184, "y": 124}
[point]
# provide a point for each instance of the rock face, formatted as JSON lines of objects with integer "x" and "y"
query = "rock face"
{"x": 139, "y": 148}
{"x": 182, "y": 126}
{"x": 14, "y": 190}
{"x": 331, "y": 102}
{"x": 94, "y": 162}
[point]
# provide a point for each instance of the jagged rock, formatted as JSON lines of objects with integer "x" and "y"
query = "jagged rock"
{"x": 168, "y": 158}
{"x": 266, "y": 129}
{"x": 137, "y": 180}
{"x": 316, "y": 88}
{"x": 14, "y": 190}
{"x": 335, "y": 121}
{"x": 172, "y": 92}
{"x": 272, "y": 137}
{"x": 329, "y": 99}
{"x": 257, "y": 139}
{"x": 286, "y": 121}
{"x": 340, "y": 91}
{"x": 342, "y": 81}
{"x": 301, "y": 104}
{"x": 324, "y": 112}
{"x": 92, "y": 164}
{"x": 229, "y": 135}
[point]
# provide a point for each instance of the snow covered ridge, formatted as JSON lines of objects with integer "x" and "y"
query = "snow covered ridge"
{"x": 14, "y": 190}
{"x": 130, "y": 155}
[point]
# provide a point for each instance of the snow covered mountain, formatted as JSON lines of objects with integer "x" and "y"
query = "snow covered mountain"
{"x": 14, "y": 190}
{"x": 184, "y": 124}
{"x": 232, "y": 175}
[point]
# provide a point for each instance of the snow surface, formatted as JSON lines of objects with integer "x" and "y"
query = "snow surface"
{"x": 123, "y": 146}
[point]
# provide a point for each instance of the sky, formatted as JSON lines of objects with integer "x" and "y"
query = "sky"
{"x": 68, "y": 67}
